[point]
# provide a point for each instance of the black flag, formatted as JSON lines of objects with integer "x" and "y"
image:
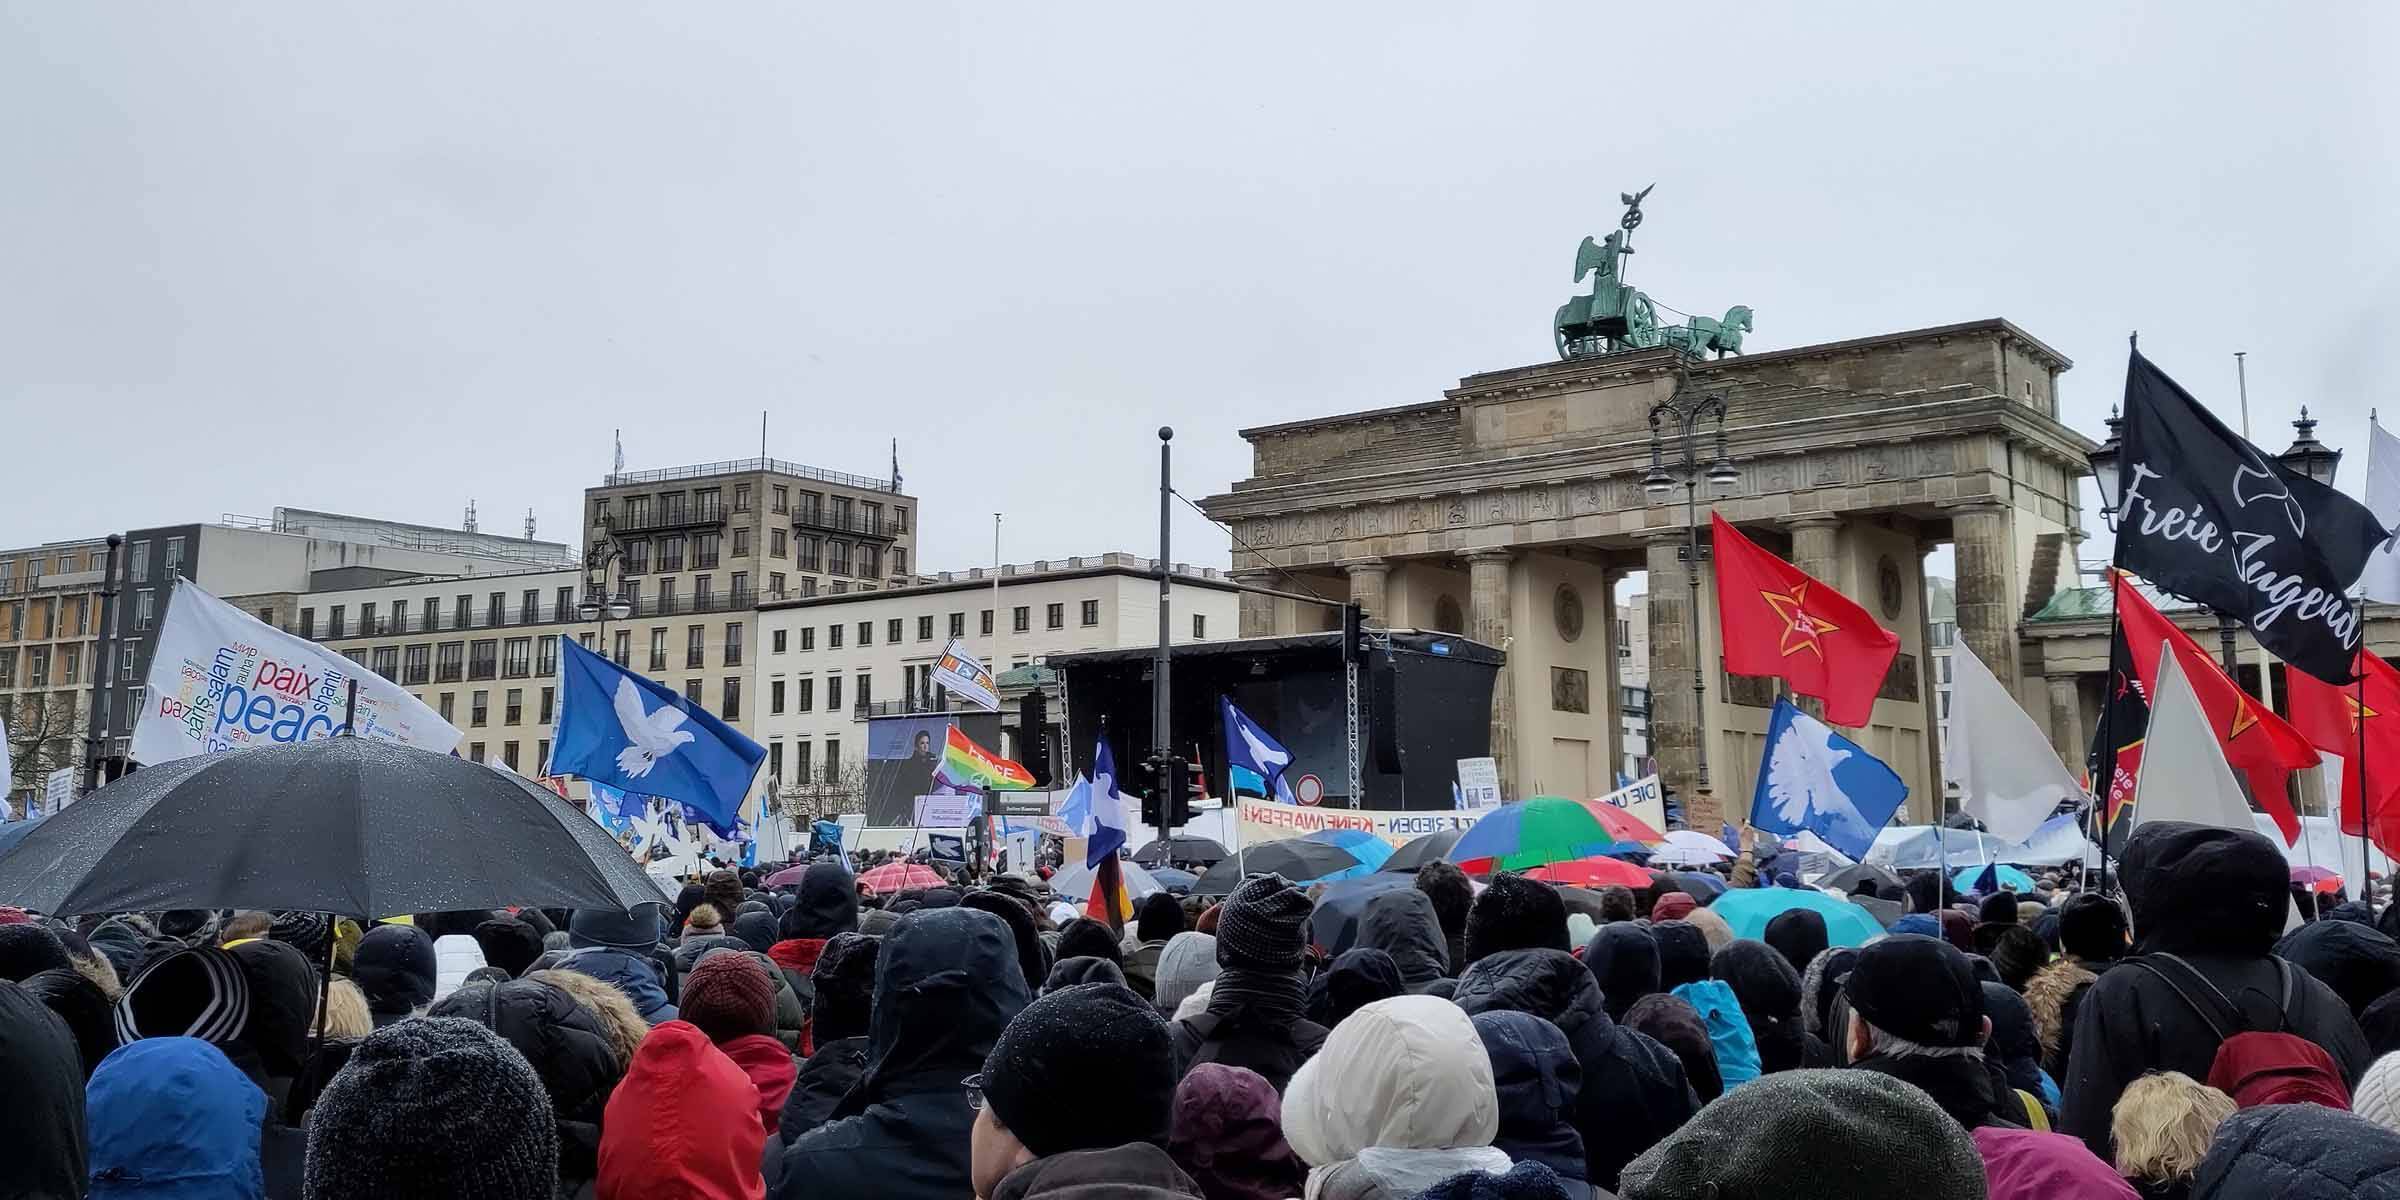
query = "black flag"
{"x": 2115, "y": 759}
{"x": 2209, "y": 517}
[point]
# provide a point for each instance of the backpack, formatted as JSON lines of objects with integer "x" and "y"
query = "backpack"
{"x": 2214, "y": 1008}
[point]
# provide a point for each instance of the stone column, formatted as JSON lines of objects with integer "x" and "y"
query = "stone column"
{"x": 1257, "y": 616}
{"x": 1612, "y": 682}
{"x": 1488, "y": 623}
{"x": 1369, "y": 581}
{"x": 1674, "y": 711}
{"x": 1986, "y": 619}
{"x": 1816, "y": 550}
{"x": 2066, "y": 719}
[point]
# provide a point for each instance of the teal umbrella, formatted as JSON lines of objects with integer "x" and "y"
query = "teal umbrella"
{"x": 1747, "y": 911}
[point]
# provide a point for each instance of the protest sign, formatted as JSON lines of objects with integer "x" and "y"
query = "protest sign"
{"x": 1479, "y": 782}
{"x": 58, "y": 791}
{"x": 222, "y": 680}
{"x": 947, "y": 810}
{"x": 1265, "y": 821}
{"x": 1645, "y": 798}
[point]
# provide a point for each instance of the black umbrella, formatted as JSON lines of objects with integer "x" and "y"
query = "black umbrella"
{"x": 1847, "y": 878}
{"x": 344, "y": 825}
{"x": 1333, "y": 926}
{"x": 1180, "y": 849}
{"x": 1296, "y": 859}
{"x": 1416, "y": 852}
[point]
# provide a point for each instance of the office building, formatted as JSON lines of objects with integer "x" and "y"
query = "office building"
{"x": 49, "y": 647}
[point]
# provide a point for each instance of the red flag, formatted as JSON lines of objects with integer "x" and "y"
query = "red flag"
{"x": 1777, "y": 621}
{"x": 2257, "y": 742}
{"x": 2351, "y": 720}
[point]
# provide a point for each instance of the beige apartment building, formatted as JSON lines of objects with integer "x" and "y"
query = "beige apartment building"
{"x": 49, "y": 647}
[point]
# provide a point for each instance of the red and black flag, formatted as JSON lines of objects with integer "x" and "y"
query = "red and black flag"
{"x": 2115, "y": 760}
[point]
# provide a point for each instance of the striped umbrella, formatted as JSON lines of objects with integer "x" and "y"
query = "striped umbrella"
{"x": 1530, "y": 833}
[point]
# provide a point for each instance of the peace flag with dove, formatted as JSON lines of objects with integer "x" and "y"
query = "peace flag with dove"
{"x": 1811, "y": 778}
{"x": 622, "y": 730}
{"x": 1254, "y": 760}
{"x": 1778, "y": 622}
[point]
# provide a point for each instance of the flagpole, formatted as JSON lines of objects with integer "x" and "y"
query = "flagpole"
{"x": 2366, "y": 812}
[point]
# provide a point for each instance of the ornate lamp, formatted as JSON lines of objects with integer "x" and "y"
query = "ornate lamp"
{"x": 2103, "y": 462}
{"x": 2307, "y": 455}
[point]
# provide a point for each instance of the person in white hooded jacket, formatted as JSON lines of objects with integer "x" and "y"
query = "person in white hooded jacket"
{"x": 1400, "y": 1098}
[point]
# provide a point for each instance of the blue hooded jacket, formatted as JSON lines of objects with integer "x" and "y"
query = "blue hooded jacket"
{"x": 615, "y": 947}
{"x": 174, "y": 1119}
{"x": 1728, "y": 1029}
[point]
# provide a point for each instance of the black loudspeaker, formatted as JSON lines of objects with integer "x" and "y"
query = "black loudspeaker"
{"x": 1034, "y": 735}
{"x": 1380, "y": 680}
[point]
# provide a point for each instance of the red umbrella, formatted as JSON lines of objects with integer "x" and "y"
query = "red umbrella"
{"x": 900, "y": 877}
{"x": 1592, "y": 872}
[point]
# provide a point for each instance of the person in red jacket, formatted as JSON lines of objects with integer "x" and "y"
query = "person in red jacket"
{"x": 666, "y": 1132}
{"x": 731, "y": 999}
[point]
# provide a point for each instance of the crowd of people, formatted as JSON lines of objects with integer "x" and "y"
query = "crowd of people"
{"x": 1451, "y": 1039}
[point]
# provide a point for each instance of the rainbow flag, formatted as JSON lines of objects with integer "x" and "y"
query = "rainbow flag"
{"x": 966, "y": 766}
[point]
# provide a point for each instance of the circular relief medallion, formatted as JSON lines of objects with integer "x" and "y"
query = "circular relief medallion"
{"x": 1566, "y": 607}
{"x": 1887, "y": 587}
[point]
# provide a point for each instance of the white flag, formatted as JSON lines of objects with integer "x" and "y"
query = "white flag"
{"x": 222, "y": 679}
{"x": 959, "y": 671}
{"x": 2381, "y": 579}
{"x": 2007, "y": 774}
{"x": 2184, "y": 773}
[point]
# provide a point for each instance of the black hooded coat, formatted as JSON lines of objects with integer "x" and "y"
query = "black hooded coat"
{"x": 1402, "y": 923}
{"x": 42, "y": 1074}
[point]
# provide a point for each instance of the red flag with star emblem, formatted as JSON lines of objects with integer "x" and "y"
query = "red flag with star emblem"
{"x": 1776, "y": 621}
{"x": 2257, "y": 742}
{"x": 2358, "y": 722}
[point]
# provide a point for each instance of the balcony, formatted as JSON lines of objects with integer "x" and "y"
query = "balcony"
{"x": 667, "y": 520}
{"x": 896, "y": 708}
{"x": 824, "y": 519}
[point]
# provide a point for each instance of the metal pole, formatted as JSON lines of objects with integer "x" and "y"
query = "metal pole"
{"x": 1691, "y": 579}
{"x": 104, "y": 674}
{"x": 1160, "y": 717}
{"x": 2227, "y": 631}
{"x": 2241, "y": 375}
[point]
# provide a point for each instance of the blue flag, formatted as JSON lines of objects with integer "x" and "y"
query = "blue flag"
{"x": 619, "y": 729}
{"x": 1811, "y": 778}
{"x": 1254, "y": 760}
{"x": 626, "y": 805}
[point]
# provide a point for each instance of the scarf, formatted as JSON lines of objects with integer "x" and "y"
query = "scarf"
{"x": 1266, "y": 997}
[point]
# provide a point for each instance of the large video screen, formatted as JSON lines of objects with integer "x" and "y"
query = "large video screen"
{"x": 901, "y": 755}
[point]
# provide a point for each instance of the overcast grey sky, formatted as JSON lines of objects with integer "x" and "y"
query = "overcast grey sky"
{"x": 383, "y": 258}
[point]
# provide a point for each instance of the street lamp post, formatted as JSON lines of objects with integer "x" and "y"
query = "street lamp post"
{"x": 1685, "y": 415}
{"x": 597, "y": 559}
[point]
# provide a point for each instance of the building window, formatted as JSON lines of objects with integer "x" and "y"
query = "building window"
{"x": 987, "y": 623}
{"x": 870, "y": 562}
{"x": 462, "y": 612}
{"x": 1020, "y": 618}
{"x": 658, "y": 649}
{"x": 624, "y": 655}
{"x": 137, "y": 564}
{"x": 508, "y": 754}
{"x": 695, "y": 646}
{"x": 866, "y": 633}
{"x": 958, "y": 624}
{"x": 308, "y": 623}
{"x": 833, "y": 693}
{"x": 925, "y": 628}
{"x": 776, "y": 544}
{"x": 710, "y": 503}
{"x": 545, "y": 658}
{"x": 741, "y": 542}
{"x": 1054, "y": 616}
{"x": 808, "y": 559}
{"x": 495, "y": 609}
{"x": 174, "y": 563}
{"x": 475, "y": 751}
{"x": 125, "y": 662}
{"x": 1199, "y": 626}
{"x": 775, "y": 697}
{"x": 804, "y": 695}
{"x": 866, "y": 691}
{"x": 399, "y": 616}
{"x": 515, "y": 705}
{"x": 449, "y": 662}
{"x": 808, "y": 585}
{"x": 741, "y": 589}
{"x": 704, "y": 592}
{"x": 335, "y": 625}
{"x": 891, "y": 631}
{"x": 416, "y": 665}
{"x": 387, "y": 662}
{"x": 781, "y": 497}
{"x": 37, "y": 666}
{"x": 775, "y": 763}
{"x": 670, "y": 552}
{"x": 541, "y": 760}
{"x": 1091, "y": 612}
{"x": 691, "y": 690}
{"x": 666, "y": 598}
{"x": 8, "y": 668}
{"x": 704, "y": 551}
{"x": 549, "y": 707}
{"x": 483, "y": 658}
{"x": 800, "y": 760}
{"x": 837, "y": 557}
{"x": 143, "y": 612}
{"x": 449, "y": 706}
{"x": 479, "y": 705}
{"x": 733, "y": 698}
{"x": 899, "y": 560}
{"x": 563, "y": 608}
{"x": 808, "y": 637}
{"x": 775, "y": 584}
{"x": 741, "y": 499}
{"x": 637, "y": 556}
{"x": 733, "y": 643}
{"x": 516, "y": 661}
{"x": 833, "y": 760}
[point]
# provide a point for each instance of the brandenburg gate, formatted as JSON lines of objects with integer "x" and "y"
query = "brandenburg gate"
{"x": 1509, "y": 509}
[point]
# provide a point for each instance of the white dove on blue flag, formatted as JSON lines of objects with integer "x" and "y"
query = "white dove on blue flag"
{"x": 620, "y": 729}
{"x": 1811, "y": 778}
{"x": 1254, "y": 760}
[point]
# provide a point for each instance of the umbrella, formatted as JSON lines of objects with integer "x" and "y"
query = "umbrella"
{"x": 1545, "y": 829}
{"x": 1592, "y": 872}
{"x": 1370, "y": 851}
{"x": 1885, "y": 912}
{"x": 1074, "y": 882}
{"x": 354, "y": 826}
{"x": 1180, "y": 849}
{"x": 1688, "y": 847}
{"x": 1849, "y": 877}
{"x": 791, "y": 875}
{"x": 1698, "y": 885}
{"x": 2005, "y": 876}
{"x": 13, "y": 832}
{"x": 1416, "y": 852}
{"x": 2301, "y": 874}
{"x": 1623, "y": 825}
{"x": 1174, "y": 879}
{"x": 1581, "y": 900}
{"x": 1334, "y": 924}
{"x": 1296, "y": 859}
{"x": 1747, "y": 911}
{"x": 901, "y": 876}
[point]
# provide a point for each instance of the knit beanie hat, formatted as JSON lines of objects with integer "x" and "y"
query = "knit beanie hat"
{"x": 1999, "y": 908}
{"x": 1161, "y": 918}
{"x": 1264, "y": 926}
{"x": 636, "y": 931}
{"x": 1516, "y": 913}
{"x": 1071, "y": 972}
{"x": 1527, "y": 1180}
{"x": 1683, "y": 953}
{"x": 1918, "y": 988}
{"x": 1189, "y": 960}
{"x": 757, "y": 929}
{"x": 1674, "y": 906}
{"x": 198, "y": 991}
{"x": 1095, "y": 1039}
{"x": 844, "y": 978}
{"x": 310, "y": 933}
{"x": 704, "y": 920}
{"x": 728, "y": 996}
{"x": 2378, "y": 1095}
{"x": 2092, "y": 927}
{"x": 434, "y": 1106}
{"x": 28, "y": 949}
{"x": 1861, "y": 1135}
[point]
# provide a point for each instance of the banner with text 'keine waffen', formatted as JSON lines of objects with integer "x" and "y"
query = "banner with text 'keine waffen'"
{"x": 221, "y": 679}
{"x": 2211, "y": 518}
